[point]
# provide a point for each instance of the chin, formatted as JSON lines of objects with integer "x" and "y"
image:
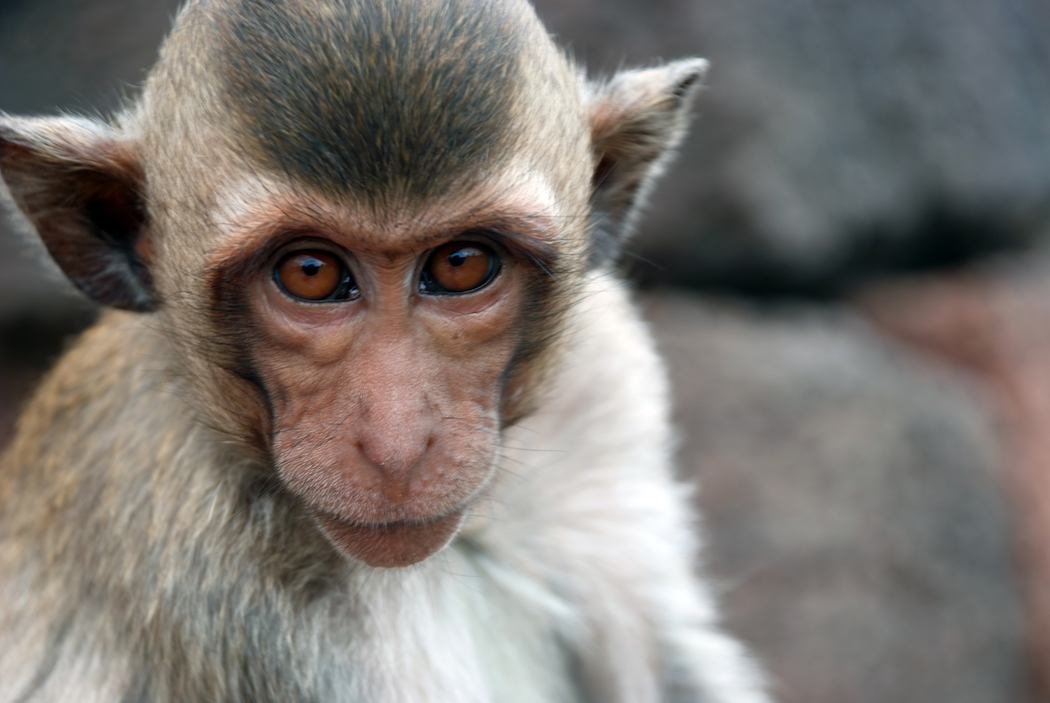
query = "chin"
{"x": 393, "y": 544}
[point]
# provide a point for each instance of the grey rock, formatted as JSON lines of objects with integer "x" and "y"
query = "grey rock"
{"x": 837, "y": 140}
{"x": 854, "y": 507}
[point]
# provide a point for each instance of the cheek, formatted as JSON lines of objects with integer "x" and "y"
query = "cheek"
{"x": 481, "y": 334}
{"x": 472, "y": 364}
{"x": 303, "y": 366}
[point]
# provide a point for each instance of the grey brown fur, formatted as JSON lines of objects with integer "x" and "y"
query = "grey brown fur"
{"x": 364, "y": 100}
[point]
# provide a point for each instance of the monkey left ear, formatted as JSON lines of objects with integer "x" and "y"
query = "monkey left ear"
{"x": 637, "y": 119}
{"x": 79, "y": 183}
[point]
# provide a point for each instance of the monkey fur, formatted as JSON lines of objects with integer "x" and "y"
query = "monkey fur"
{"x": 222, "y": 493}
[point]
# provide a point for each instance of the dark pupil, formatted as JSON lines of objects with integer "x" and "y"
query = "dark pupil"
{"x": 311, "y": 267}
{"x": 459, "y": 258}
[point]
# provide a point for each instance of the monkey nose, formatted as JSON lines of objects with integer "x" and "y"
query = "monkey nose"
{"x": 395, "y": 459}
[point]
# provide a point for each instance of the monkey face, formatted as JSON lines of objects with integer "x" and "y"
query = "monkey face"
{"x": 385, "y": 390}
{"x": 383, "y": 353}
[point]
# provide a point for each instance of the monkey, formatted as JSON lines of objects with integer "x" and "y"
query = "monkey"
{"x": 370, "y": 415}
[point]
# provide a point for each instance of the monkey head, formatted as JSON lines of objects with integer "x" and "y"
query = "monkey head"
{"x": 360, "y": 225}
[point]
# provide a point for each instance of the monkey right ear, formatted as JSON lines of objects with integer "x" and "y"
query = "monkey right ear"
{"x": 637, "y": 119}
{"x": 79, "y": 184}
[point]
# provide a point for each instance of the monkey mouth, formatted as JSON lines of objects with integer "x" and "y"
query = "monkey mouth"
{"x": 392, "y": 544}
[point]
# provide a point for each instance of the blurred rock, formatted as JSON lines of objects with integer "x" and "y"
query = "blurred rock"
{"x": 853, "y": 502}
{"x": 837, "y": 140}
{"x": 77, "y": 55}
{"x": 992, "y": 321}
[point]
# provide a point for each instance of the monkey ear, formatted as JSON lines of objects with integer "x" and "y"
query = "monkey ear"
{"x": 79, "y": 183}
{"x": 637, "y": 119}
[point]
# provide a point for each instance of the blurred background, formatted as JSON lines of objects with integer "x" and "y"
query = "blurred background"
{"x": 849, "y": 271}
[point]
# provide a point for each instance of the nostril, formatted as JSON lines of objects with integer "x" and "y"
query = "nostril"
{"x": 393, "y": 455}
{"x": 367, "y": 453}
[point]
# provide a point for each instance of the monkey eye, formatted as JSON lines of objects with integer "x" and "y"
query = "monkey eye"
{"x": 459, "y": 267}
{"x": 316, "y": 276}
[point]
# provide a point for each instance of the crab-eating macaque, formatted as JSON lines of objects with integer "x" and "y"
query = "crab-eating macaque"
{"x": 371, "y": 417}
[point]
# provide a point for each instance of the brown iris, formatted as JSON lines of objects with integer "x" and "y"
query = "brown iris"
{"x": 314, "y": 275}
{"x": 459, "y": 267}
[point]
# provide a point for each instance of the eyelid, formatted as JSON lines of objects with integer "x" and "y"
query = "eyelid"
{"x": 311, "y": 244}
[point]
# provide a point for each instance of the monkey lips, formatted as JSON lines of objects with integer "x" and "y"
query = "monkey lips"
{"x": 393, "y": 544}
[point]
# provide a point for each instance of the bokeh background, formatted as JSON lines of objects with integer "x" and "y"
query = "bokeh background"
{"x": 848, "y": 271}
